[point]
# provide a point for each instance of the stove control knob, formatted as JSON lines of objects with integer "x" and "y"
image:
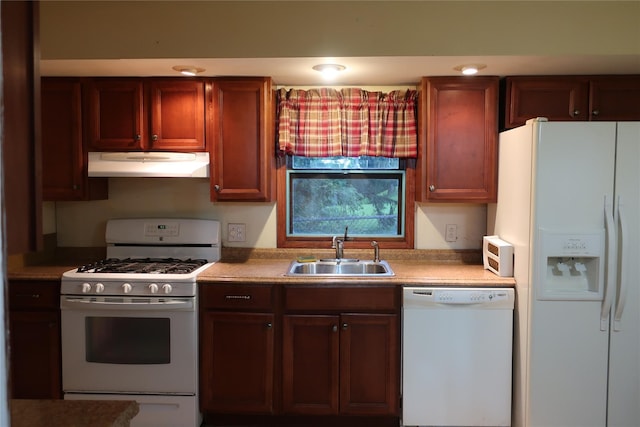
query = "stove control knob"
{"x": 126, "y": 288}
{"x": 99, "y": 288}
{"x": 86, "y": 288}
{"x": 153, "y": 288}
{"x": 166, "y": 288}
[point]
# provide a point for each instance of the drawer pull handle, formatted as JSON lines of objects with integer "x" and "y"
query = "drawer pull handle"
{"x": 234, "y": 297}
{"x": 33, "y": 296}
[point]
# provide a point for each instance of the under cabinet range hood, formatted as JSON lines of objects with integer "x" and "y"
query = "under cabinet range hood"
{"x": 158, "y": 164}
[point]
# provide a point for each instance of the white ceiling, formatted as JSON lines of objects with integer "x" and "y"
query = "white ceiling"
{"x": 363, "y": 71}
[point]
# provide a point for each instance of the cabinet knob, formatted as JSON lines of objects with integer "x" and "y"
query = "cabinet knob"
{"x": 345, "y": 326}
{"x": 432, "y": 187}
{"x": 576, "y": 113}
{"x": 216, "y": 188}
{"x": 334, "y": 328}
{"x": 595, "y": 112}
{"x": 138, "y": 137}
{"x": 269, "y": 325}
{"x": 154, "y": 137}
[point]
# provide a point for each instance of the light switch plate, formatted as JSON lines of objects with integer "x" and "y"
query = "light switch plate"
{"x": 236, "y": 233}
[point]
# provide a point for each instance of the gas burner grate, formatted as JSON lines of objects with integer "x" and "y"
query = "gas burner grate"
{"x": 143, "y": 266}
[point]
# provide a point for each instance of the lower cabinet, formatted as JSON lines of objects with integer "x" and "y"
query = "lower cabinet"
{"x": 35, "y": 364}
{"x": 236, "y": 349}
{"x": 340, "y": 350}
{"x": 340, "y": 364}
{"x": 300, "y": 352}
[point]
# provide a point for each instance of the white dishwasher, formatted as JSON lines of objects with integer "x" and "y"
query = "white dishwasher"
{"x": 456, "y": 356}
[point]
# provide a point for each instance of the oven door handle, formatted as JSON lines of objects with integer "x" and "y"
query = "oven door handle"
{"x": 121, "y": 304}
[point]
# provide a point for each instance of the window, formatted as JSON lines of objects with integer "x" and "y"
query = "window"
{"x": 328, "y": 194}
{"x": 324, "y": 195}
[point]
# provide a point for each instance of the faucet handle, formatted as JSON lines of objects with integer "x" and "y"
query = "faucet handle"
{"x": 346, "y": 231}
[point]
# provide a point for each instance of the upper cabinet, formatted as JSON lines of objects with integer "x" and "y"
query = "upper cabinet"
{"x": 457, "y": 155}
{"x": 243, "y": 150}
{"x": 146, "y": 114}
{"x": 571, "y": 98}
{"x": 20, "y": 103}
{"x": 64, "y": 163}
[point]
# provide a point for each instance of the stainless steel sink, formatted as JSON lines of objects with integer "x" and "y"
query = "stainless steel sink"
{"x": 347, "y": 267}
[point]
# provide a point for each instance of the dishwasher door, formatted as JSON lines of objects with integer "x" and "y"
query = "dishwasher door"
{"x": 456, "y": 356}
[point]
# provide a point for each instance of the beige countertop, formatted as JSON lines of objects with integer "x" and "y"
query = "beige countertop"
{"x": 39, "y": 272}
{"x": 411, "y": 267}
{"x": 72, "y": 413}
{"x": 410, "y": 272}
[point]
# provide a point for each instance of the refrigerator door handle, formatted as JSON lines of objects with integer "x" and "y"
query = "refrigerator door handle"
{"x": 610, "y": 280}
{"x": 624, "y": 250}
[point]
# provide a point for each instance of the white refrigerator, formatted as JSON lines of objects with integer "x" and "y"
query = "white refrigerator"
{"x": 569, "y": 202}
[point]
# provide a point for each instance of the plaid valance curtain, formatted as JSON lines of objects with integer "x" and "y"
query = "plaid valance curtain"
{"x": 351, "y": 122}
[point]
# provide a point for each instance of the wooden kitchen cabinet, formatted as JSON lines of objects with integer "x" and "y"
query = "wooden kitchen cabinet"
{"x": 146, "y": 114}
{"x": 340, "y": 356}
{"x": 243, "y": 150}
{"x": 457, "y": 156}
{"x": 64, "y": 161}
{"x": 571, "y": 98}
{"x": 20, "y": 103}
{"x": 35, "y": 362}
{"x": 237, "y": 349}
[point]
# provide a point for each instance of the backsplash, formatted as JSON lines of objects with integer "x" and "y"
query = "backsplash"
{"x": 82, "y": 224}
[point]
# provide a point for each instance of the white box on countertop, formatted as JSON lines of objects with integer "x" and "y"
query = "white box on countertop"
{"x": 497, "y": 256}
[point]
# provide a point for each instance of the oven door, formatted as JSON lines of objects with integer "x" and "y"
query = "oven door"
{"x": 129, "y": 344}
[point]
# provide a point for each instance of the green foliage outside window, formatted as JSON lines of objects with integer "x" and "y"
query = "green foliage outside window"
{"x": 328, "y": 194}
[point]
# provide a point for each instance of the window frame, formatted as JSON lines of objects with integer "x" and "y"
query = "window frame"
{"x": 403, "y": 242}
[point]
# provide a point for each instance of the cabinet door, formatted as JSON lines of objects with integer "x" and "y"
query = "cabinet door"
{"x": 236, "y": 367}
{"x": 615, "y": 98}
{"x": 369, "y": 364}
{"x": 64, "y": 172}
{"x": 310, "y": 364}
{"x": 177, "y": 115}
{"x": 556, "y": 98}
{"x": 35, "y": 363}
{"x": 116, "y": 115}
{"x": 35, "y": 358}
{"x": 243, "y": 145}
{"x": 459, "y": 129}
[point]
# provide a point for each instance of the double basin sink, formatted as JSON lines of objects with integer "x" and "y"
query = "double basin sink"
{"x": 340, "y": 267}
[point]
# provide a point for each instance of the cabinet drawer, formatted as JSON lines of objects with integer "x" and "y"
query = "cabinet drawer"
{"x": 341, "y": 298}
{"x": 257, "y": 297}
{"x": 30, "y": 295}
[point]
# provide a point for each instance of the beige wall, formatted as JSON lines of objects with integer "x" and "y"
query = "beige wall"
{"x": 83, "y": 223}
{"x": 229, "y": 29}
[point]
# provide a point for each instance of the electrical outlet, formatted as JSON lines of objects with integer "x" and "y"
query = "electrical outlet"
{"x": 451, "y": 233}
{"x": 236, "y": 233}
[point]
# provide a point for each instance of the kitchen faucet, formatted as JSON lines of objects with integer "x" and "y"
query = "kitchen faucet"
{"x": 338, "y": 244}
{"x": 376, "y": 251}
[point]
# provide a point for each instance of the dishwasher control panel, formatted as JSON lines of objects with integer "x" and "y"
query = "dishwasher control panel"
{"x": 468, "y": 297}
{"x": 458, "y": 296}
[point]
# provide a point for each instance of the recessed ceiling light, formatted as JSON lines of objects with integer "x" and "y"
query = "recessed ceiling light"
{"x": 469, "y": 69}
{"x": 329, "y": 70}
{"x": 188, "y": 70}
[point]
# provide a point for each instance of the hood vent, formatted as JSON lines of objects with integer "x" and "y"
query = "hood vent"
{"x": 158, "y": 164}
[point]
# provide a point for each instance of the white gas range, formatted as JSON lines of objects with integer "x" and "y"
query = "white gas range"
{"x": 129, "y": 322}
